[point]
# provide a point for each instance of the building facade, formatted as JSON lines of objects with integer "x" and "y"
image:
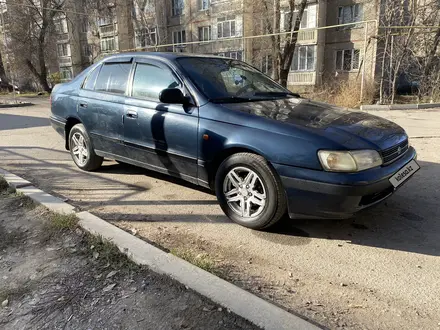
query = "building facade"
{"x": 325, "y": 52}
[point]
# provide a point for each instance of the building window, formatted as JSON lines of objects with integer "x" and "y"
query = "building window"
{"x": 204, "y": 33}
{"x": 108, "y": 44}
{"x": 304, "y": 58}
{"x": 287, "y": 16}
{"x": 145, "y": 37}
{"x": 226, "y": 27}
{"x": 145, "y": 6}
{"x": 347, "y": 59}
{"x": 61, "y": 26}
{"x": 66, "y": 73}
{"x": 63, "y": 50}
{"x": 266, "y": 64}
{"x": 203, "y": 4}
{"x": 350, "y": 14}
{"x": 108, "y": 19}
{"x": 179, "y": 37}
{"x": 236, "y": 55}
{"x": 86, "y": 50}
{"x": 85, "y": 26}
{"x": 177, "y": 7}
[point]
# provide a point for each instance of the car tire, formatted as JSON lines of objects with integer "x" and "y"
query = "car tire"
{"x": 250, "y": 191}
{"x": 81, "y": 149}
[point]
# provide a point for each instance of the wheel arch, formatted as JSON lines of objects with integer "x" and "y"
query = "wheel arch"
{"x": 71, "y": 121}
{"x": 225, "y": 153}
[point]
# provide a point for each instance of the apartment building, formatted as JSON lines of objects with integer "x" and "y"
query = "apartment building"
{"x": 225, "y": 27}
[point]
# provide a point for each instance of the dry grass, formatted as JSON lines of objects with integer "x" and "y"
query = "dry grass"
{"x": 60, "y": 222}
{"x": 343, "y": 93}
{"x": 3, "y": 184}
{"x": 202, "y": 261}
{"x": 109, "y": 253}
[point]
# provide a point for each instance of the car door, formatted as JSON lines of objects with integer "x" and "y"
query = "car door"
{"x": 160, "y": 136}
{"x": 101, "y": 106}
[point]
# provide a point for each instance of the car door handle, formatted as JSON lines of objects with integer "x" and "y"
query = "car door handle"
{"x": 83, "y": 104}
{"x": 132, "y": 114}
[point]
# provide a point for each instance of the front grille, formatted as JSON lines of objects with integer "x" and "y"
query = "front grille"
{"x": 391, "y": 154}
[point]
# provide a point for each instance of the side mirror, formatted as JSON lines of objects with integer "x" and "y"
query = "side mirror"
{"x": 172, "y": 96}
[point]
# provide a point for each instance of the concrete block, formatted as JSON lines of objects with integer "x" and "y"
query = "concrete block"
{"x": 14, "y": 180}
{"x": 52, "y": 203}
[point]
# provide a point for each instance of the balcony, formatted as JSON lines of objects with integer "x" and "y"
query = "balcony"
{"x": 308, "y": 37}
{"x": 302, "y": 78}
{"x": 62, "y": 38}
{"x": 108, "y": 30}
{"x": 65, "y": 61}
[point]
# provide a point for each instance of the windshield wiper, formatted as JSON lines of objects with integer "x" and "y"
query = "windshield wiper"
{"x": 276, "y": 94}
{"x": 230, "y": 99}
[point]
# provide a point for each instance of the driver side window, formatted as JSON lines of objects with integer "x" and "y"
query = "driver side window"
{"x": 149, "y": 80}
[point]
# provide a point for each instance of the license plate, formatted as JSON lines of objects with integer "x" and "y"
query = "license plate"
{"x": 404, "y": 173}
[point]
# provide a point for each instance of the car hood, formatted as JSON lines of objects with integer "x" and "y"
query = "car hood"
{"x": 340, "y": 125}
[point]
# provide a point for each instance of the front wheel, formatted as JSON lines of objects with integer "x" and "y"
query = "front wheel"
{"x": 249, "y": 191}
{"x": 81, "y": 149}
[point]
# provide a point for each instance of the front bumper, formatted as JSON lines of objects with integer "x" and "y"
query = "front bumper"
{"x": 320, "y": 194}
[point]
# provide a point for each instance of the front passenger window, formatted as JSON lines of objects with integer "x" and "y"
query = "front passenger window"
{"x": 150, "y": 80}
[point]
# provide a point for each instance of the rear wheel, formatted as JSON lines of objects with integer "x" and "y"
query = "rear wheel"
{"x": 81, "y": 149}
{"x": 249, "y": 191}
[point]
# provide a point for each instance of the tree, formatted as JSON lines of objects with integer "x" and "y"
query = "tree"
{"x": 409, "y": 48}
{"x": 32, "y": 35}
{"x": 283, "y": 46}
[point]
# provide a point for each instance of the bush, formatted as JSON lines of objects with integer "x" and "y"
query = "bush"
{"x": 344, "y": 94}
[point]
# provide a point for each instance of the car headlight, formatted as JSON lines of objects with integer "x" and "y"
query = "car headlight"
{"x": 349, "y": 161}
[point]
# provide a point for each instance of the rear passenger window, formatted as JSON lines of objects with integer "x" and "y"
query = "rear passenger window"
{"x": 150, "y": 80}
{"x": 113, "y": 78}
{"x": 90, "y": 80}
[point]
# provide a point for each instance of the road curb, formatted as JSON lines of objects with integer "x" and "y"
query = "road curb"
{"x": 243, "y": 303}
{"x": 14, "y": 105}
{"x": 399, "y": 106}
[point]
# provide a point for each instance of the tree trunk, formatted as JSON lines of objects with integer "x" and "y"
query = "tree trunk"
{"x": 43, "y": 70}
{"x": 41, "y": 80}
{"x": 3, "y": 76}
{"x": 290, "y": 43}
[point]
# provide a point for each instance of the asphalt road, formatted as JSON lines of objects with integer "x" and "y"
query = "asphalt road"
{"x": 378, "y": 270}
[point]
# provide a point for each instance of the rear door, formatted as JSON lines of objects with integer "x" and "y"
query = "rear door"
{"x": 162, "y": 136}
{"x": 101, "y": 105}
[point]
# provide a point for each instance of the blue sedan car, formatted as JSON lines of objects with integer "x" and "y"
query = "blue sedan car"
{"x": 222, "y": 124}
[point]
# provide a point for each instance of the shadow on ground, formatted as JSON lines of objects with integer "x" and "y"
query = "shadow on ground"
{"x": 408, "y": 221}
{"x": 10, "y": 122}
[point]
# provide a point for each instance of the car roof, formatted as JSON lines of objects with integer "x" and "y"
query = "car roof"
{"x": 161, "y": 55}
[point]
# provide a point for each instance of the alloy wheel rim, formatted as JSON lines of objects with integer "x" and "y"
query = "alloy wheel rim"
{"x": 80, "y": 150}
{"x": 244, "y": 192}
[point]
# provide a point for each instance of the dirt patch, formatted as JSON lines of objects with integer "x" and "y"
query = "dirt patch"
{"x": 71, "y": 280}
{"x": 310, "y": 296}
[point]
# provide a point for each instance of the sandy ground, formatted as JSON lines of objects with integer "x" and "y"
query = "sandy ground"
{"x": 52, "y": 279}
{"x": 379, "y": 270}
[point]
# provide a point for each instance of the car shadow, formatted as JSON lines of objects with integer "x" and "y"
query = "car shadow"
{"x": 10, "y": 122}
{"x": 128, "y": 169}
{"x": 407, "y": 221}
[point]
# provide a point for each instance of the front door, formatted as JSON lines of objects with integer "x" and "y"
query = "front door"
{"x": 160, "y": 136}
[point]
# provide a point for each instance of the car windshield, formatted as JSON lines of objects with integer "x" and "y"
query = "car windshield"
{"x": 227, "y": 80}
